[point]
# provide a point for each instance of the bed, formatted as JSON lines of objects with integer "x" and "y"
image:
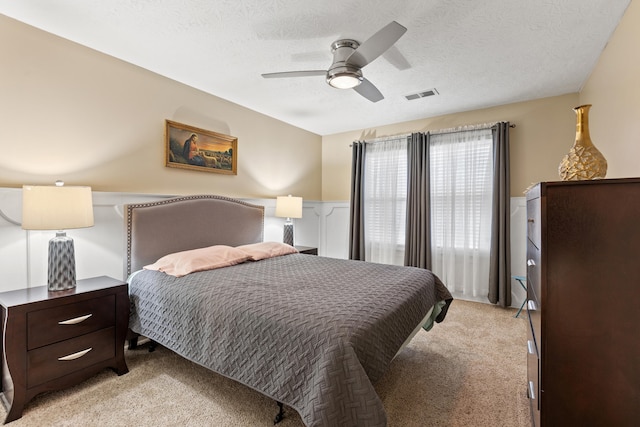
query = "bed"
{"x": 311, "y": 332}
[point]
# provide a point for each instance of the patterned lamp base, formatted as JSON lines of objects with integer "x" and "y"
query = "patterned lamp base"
{"x": 62, "y": 263}
{"x": 287, "y": 236}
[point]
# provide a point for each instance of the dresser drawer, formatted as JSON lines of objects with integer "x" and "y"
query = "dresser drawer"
{"x": 534, "y": 231}
{"x": 533, "y": 376}
{"x": 534, "y": 353}
{"x": 44, "y": 364}
{"x": 533, "y": 364}
{"x": 70, "y": 320}
{"x": 534, "y": 274}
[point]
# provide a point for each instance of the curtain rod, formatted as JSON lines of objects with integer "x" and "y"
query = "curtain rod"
{"x": 437, "y": 132}
{"x": 467, "y": 128}
{"x": 386, "y": 138}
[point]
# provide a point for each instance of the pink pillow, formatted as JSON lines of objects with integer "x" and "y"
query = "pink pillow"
{"x": 262, "y": 250}
{"x": 182, "y": 263}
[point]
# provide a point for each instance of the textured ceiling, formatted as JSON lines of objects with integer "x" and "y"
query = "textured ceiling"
{"x": 476, "y": 54}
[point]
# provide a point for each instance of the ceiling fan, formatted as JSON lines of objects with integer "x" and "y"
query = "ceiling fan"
{"x": 349, "y": 57}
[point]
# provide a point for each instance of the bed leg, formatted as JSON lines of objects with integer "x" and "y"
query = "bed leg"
{"x": 132, "y": 338}
{"x": 280, "y": 415}
{"x": 152, "y": 346}
{"x": 133, "y": 343}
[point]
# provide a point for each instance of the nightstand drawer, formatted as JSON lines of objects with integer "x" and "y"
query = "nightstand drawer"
{"x": 70, "y": 320}
{"x": 44, "y": 364}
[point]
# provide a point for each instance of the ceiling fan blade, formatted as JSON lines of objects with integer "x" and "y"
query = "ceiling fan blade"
{"x": 376, "y": 45}
{"x": 295, "y": 74}
{"x": 369, "y": 91}
{"x": 396, "y": 58}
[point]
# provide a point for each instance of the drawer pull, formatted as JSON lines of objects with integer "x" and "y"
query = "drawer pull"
{"x": 75, "y": 320}
{"x": 530, "y": 347}
{"x": 532, "y": 394}
{"x": 75, "y": 356}
{"x": 530, "y": 220}
{"x": 531, "y": 305}
{"x": 531, "y": 262}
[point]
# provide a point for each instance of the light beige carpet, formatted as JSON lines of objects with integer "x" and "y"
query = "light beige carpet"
{"x": 469, "y": 370}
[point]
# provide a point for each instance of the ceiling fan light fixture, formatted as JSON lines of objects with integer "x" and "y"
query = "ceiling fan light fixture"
{"x": 344, "y": 77}
{"x": 349, "y": 57}
{"x": 345, "y": 81}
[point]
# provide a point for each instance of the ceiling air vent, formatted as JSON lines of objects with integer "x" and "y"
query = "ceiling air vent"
{"x": 422, "y": 94}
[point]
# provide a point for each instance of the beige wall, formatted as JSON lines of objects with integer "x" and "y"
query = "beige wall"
{"x": 71, "y": 113}
{"x": 614, "y": 91}
{"x": 544, "y": 132}
{"x": 545, "y": 128}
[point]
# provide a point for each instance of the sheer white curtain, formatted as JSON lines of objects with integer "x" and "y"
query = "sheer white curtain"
{"x": 461, "y": 196}
{"x": 385, "y": 195}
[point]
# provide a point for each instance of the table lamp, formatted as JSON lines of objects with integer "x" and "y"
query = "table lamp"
{"x": 288, "y": 207}
{"x": 58, "y": 208}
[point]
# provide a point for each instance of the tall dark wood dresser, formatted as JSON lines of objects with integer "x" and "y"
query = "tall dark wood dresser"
{"x": 583, "y": 276}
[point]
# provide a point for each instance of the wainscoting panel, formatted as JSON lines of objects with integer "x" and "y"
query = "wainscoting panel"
{"x": 100, "y": 249}
{"x": 13, "y": 244}
{"x": 305, "y": 229}
{"x": 335, "y": 230}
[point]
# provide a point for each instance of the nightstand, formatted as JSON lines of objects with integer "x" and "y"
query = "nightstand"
{"x": 307, "y": 250}
{"x": 53, "y": 340}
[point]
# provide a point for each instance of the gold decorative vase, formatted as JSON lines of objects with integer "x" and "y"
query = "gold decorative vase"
{"x": 584, "y": 161}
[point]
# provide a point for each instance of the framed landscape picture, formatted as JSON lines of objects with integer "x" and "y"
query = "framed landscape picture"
{"x": 188, "y": 147}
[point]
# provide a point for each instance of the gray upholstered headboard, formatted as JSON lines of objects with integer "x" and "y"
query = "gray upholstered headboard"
{"x": 159, "y": 228}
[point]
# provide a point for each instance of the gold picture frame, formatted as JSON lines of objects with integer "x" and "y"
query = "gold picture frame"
{"x": 189, "y": 147}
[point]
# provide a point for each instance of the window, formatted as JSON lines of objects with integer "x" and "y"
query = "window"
{"x": 460, "y": 190}
{"x": 461, "y": 179}
{"x": 461, "y": 203}
{"x": 385, "y": 192}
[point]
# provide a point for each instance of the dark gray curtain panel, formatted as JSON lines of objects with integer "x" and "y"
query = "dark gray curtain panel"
{"x": 500, "y": 256}
{"x": 418, "y": 233}
{"x": 356, "y": 208}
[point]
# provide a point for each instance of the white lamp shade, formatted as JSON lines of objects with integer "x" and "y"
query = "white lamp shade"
{"x": 56, "y": 208}
{"x": 289, "y": 207}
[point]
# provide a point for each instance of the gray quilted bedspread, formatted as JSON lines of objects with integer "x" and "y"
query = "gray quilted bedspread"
{"x": 311, "y": 332}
